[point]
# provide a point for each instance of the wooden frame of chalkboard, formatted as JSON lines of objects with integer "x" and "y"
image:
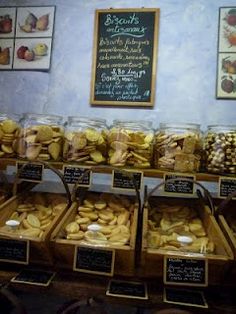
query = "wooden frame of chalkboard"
{"x": 125, "y": 57}
{"x": 34, "y": 277}
{"x": 88, "y": 260}
{"x": 179, "y": 187}
{"x": 185, "y": 266}
{"x": 14, "y": 251}
{"x": 226, "y": 186}
{"x": 32, "y": 172}
{"x": 127, "y": 289}
{"x": 187, "y": 297}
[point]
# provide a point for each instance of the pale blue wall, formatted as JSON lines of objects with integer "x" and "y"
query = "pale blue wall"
{"x": 186, "y": 73}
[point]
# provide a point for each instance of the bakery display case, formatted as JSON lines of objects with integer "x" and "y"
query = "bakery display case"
{"x": 30, "y": 216}
{"x": 182, "y": 228}
{"x": 99, "y": 220}
{"x": 227, "y": 219}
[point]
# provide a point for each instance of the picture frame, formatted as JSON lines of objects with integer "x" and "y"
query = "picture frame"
{"x": 26, "y": 35}
{"x": 226, "y": 56}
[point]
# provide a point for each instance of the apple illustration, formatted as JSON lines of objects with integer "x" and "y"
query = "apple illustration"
{"x": 21, "y": 52}
{"x": 29, "y": 55}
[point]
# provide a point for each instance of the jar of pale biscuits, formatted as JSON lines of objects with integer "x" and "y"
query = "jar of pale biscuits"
{"x": 178, "y": 147}
{"x": 220, "y": 149}
{"x": 8, "y": 131}
{"x": 85, "y": 141}
{"x": 131, "y": 144}
{"x": 40, "y": 137}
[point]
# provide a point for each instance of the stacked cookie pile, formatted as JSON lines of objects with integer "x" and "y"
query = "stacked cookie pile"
{"x": 86, "y": 146}
{"x": 169, "y": 223}
{"x": 8, "y": 131}
{"x": 35, "y": 214}
{"x": 40, "y": 142}
{"x": 220, "y": 151}
{"x": 130, "y": 148}
{"x": 113, "y": 214}
{"x": 178, "y": 152}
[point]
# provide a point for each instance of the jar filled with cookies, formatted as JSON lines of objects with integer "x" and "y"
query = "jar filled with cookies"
{"x": 85, "y": 140}
{"x": 40, "y": 137}
{"x": 8, "y": 132}
{"x": 220, "y": 149}
{"x": 131, "y": 144}
{"x": 178, "y": 147}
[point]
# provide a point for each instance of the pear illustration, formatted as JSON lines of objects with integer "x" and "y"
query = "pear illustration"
{"x": 42, "y": 22}
{"x": 31, "y": 19}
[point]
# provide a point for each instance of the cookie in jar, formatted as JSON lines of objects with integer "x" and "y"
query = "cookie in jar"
{"x": 85, "y": 140}
{"x": 8, "y": 132}
{"x": 130, "y": 144}
{"x": 40, "y": 137}
{"x": 220, "y": 149}
{"x": 178, "y": 147}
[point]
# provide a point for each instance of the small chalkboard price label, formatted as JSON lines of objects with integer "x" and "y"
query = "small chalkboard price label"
{"x": 34, "y": 277}
{"x": 14, "y": 251}
{"x": 227, "y": 186}
{"x": 179, "y": 184}
{"x": 127, "y": 289}
{"x": 77, "y": 175}
{"x": 185, "y": 271}
{"x": 32, "y": 172}
{"x": 184, "y": 297}
{"x": 121, "y": 180}
{"x": 93, "y": 260}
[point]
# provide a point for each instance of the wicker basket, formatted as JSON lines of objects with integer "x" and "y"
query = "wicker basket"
{"x": 39, "y": 249}
{"x": 152, "y": 260}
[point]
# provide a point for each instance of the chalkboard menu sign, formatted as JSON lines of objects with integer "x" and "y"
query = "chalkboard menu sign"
{"x": 14, "y": 251}
{"x": 179, "y": 184}
{"x": 121, "y": 180}
{"x": 185, "y": 297}
{"x": 74, "y": 174}
{"x": 94, "y": 260}
{"x": 34, "y": 277}
{"x": 127, "y": 289}
{"x": 185, "y": 271}
{"x": 32, "y": 172}
{"x": 227, "y": 186}
{"x": 125, "y": 57}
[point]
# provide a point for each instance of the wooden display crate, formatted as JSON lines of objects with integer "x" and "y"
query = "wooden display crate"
{"x": 64, "y": 249}
{"x": 39, "y": 249}
{"x": 152, "y": 260}
{"x": 226, "y": 216}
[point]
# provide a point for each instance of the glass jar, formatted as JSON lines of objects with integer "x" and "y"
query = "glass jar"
{"x": 178, "y": 147}
{"x": 40, "y": 137}
{"x": 8, "y": 131}
{"x": 220, "y": 149}
{"x": 131, "y": 144}
{"x": 85, "y": 140}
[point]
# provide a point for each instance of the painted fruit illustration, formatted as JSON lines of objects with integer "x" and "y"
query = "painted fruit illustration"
{"x": 229, "y": 66}
{"x": 40, "y": 49}
{"x": 32, "y": 23}
{"x": 230, "y": 36}
{"x": 21, "y": 52}
{"x": 29, "y": 55}
{"x": 4, "y": 56}
{"x": 5, "y": 24}
{"x": 230, "y": 18}
{"x": 228, "y": 85}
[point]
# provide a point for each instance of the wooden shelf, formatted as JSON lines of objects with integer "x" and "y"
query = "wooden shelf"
{"x": 151, "y": 173}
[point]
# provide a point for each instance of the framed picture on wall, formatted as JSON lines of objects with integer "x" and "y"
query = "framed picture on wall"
{"x": 26, "y": 35}
{"x": 226, "y": 59}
